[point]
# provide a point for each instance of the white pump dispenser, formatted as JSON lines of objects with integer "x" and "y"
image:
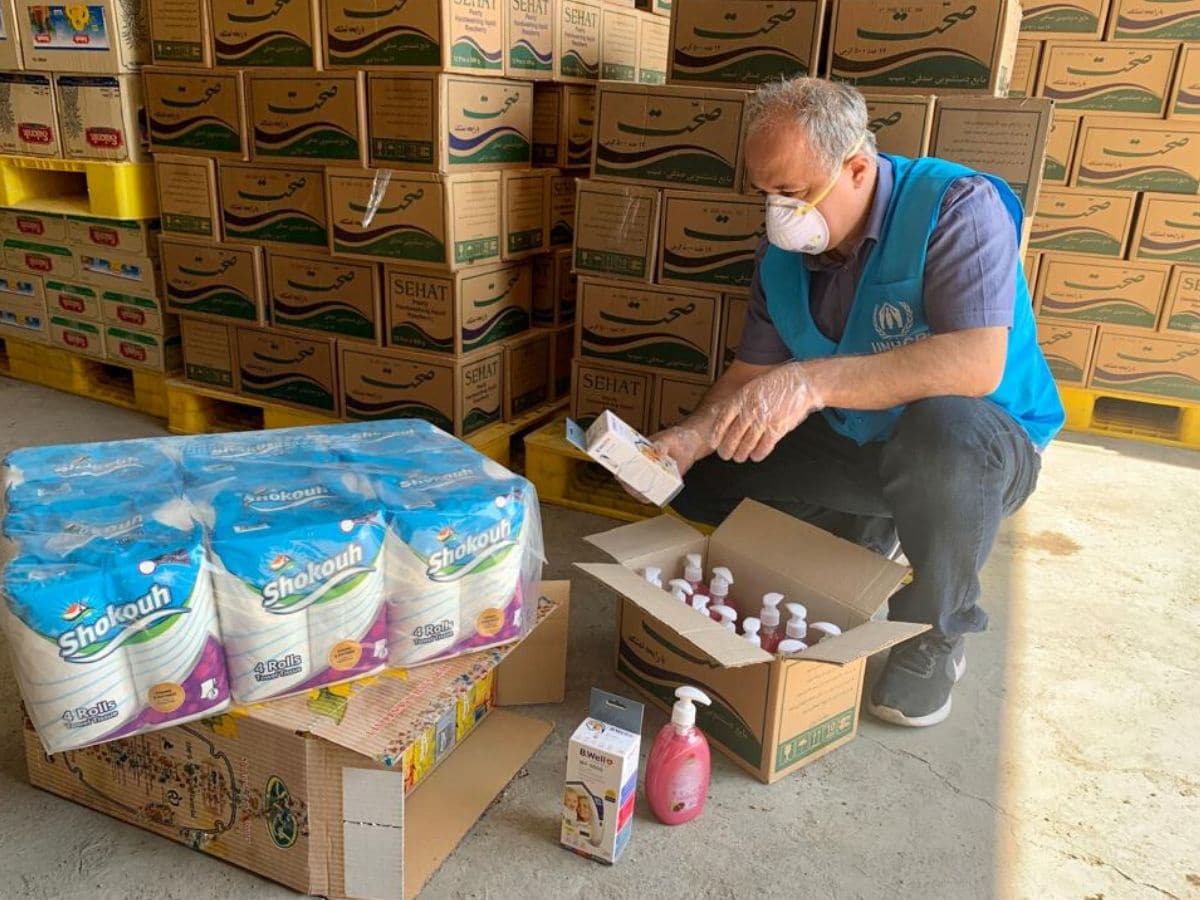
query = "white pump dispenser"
{"x": 693, "y": 570}
{"x": 683, "y": 713}
{"x": 750, "y": 626}
{"x": 728, "y": 616}
{"x": 653, "y": 574}
{"x": 791, "y": 646}
{"x": 797, "y": 627}
{"x": 700, "y": 603}
{"x": 819, "y": 631}
{"x": 769, "y": 615}
{"x": 722, "y": 578}
{"x": 681, "y": 589}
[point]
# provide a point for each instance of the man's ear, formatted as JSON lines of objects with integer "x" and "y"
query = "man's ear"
{"x": 860, "y": 168}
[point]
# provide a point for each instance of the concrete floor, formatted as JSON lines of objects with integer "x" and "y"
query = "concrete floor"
{"x": 1068, "y": 769}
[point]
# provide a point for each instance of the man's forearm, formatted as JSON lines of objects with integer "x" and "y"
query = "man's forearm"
{"x": 962, "y": 363}
{"x": 730, "y": 382}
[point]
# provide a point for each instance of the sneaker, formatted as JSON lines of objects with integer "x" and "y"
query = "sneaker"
{"x": 914, "y": 688}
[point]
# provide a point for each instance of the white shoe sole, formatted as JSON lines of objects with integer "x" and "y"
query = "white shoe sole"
{"x": 896, "y": 717}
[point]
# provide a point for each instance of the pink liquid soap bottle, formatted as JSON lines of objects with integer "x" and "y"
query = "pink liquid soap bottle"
{"x": 770, "y": 633}
{"x": 718, "y": 589}
{"x": 693, "y": 573}
{"x": 678, "y": 770}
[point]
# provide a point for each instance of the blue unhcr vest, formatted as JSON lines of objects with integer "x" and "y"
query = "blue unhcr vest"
{"x": 888, "y": 309}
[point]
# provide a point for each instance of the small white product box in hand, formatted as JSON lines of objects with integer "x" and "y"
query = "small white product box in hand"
{"x": 631, "y": 457}
{"x": 601, "y": 783}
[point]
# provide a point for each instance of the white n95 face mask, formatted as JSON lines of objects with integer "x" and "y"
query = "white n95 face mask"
{"x": 797, "y": 225}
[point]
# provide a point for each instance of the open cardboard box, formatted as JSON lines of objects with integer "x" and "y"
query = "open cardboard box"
{"x": 769, "y": 715}
{"x": 350, "y": 791}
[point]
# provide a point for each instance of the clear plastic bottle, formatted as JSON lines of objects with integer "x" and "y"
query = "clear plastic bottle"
{"x": 771, "y": 634}
{"x": 680, "y": 763}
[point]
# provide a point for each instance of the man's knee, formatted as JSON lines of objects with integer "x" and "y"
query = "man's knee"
{"x": 939, "y": 431}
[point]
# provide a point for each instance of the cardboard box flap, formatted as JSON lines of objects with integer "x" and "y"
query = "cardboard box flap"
{"x": 536, "y": 670}
{"x": 379, "y": 716}
{"x": 844, "y": 572}
{"x": 708, "y": 637}
{"x": 865, "y": 640}
{"x": 644, "y": 538}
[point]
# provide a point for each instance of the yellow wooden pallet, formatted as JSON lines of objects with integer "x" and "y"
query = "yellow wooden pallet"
{"x": 505, "y": 441}
{"x": 95, "y": 379}
{"x": 195, "y": 409}
{"x": 73, "y": 187}
{"x": 1139, "y": 417}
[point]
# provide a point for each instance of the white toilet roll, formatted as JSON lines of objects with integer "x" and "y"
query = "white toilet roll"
{"x": 423, "y": 616}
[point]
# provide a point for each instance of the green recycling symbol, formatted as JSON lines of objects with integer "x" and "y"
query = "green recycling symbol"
{"x": 281, "y": 823}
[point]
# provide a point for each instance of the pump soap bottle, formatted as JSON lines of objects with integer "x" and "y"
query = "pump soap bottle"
{"x": 693, "y": 573}
{"x": 770, "y": 633}
{"x": 718, "y": 589}
{"x": 678, "y": 770}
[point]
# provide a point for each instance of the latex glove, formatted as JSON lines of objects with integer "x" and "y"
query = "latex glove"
{"x": 683, "y": 443}
{"x": 749, "y": 424}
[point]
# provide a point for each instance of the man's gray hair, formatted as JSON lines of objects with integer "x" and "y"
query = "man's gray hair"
{"x": 833, "y": 115}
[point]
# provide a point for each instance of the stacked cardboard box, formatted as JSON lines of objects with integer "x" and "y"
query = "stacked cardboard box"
{"x": 69, "y": 91}
{"x": 371, "y": 215}
{"x": 1118, "y": 290}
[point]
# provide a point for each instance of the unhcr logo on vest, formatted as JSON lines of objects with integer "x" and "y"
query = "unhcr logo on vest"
{"x": 894, "y": 321}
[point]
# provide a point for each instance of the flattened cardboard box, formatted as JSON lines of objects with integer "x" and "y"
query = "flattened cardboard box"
{"x": 180, "y": 33}
{"x": 618, "y": 43}
{"x": 1002, "y": 137}
{"x": 285, "y": 34}
{"x": 577, "y": 41}
{"x": 1060, "y": 150}
{"x": 564, "y": 123}
{"x": 219, "y": 281}
{"x": 932, "y": 45}
{"x": 315, "y": 294}
{"x": 274, "y": 205}
{"x": 709, "y": 239}
{"x": 101, "y": 117}
{"x": 28, "y": 121}
{"x": 1138, "y": 155}
{"x": 448, "y": 123}
{"x": 23, "y": 313}
{"x": 40, "y": 258}
{"x": 525, "y": 214}
{"x": 1167, "y": 230}
{"x": 1181, "y": 312}
{"x": 1114, "y": 79}
{"x": 1026, "y": 65}
{"x": 440, "y": 222}
{"x": 1075, "y": 221}
{"x": 429, "y": 37}
{"x": 1163, "y": 365}
{"x": 1154, "y": 20}
{"x": 733, "y": 320}
{"x": 901, "y": 123}
{"x": 137, "y": 237}
{"x": 562, "y": 357}
{"x": 196, "y": 111}
{"x": 188, "y": 199}
{"x": 459, "y": 396}
{"x": 457, "y": 314}
{"x": 10, "y": 37}
{"x": 529, "y": 41}
{"x": 1068, "y": 348}
{"x": 137, "y": 312}
{"x": 1079, "y": 19}
{"x": 744, "y": 43}
{"x": 596, "y": 387}
{"x": 141, "y": 350}
{"x": 562, "y": 210}
{"x": 675, "y": 398}
{"x": 770, "y": 716}
{"x": 315, "y": 118}
{"x": 617, "y": 230}
{"x": 1086, "y": 289}
{"x": 555, "y": 286}
{"x": 80, "y": 336}
{"x": 362, "y": 792}
{"x": 639, "y": 325}
{"x": 287, "y": 369}
{"x": 108, "y": 37}
{"x": 36, "y": 226}
{"x": 527, "y": 371}
{"x": 209, "y": 353}
{"x": 654, "y": 49}
{"x": 72, "y": 300}
{"x": 670, "y": 136}
{"x": 1185, "y": 96}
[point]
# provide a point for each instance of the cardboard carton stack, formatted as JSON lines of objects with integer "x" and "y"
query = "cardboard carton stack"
{"x": 371, "y": 215}
{"x": 69, "y": 91}
{"x": 1118, "y": 289}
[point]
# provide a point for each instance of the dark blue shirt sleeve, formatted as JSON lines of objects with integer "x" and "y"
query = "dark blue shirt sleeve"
{"x": 971, "y": 262}
{"x": 761, "y": 344}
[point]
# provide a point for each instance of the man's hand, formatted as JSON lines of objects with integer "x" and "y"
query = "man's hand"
{"x": 750, "y": 423}
{"x": 684, "y": 444}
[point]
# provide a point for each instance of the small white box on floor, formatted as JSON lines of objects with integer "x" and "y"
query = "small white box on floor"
{"x": 601, "y": 783}
{"x": 630, "y": 456}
